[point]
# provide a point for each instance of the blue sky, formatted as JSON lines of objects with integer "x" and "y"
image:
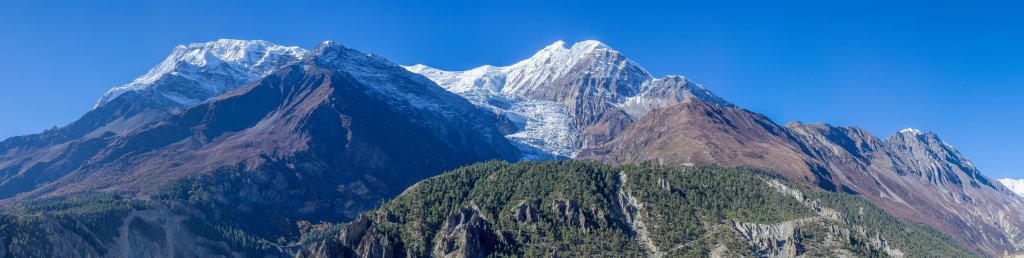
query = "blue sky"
{"x": 953, "y": 67}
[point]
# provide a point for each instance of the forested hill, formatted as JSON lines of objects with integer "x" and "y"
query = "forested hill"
{"x": 573, "y": 209}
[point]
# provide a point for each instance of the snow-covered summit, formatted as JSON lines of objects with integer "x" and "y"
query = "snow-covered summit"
{"x": 551, "y": 63}
{"x": 555, "y": 95}
{"x": 911, "y": 131}
{"x": 1015, "y": 185}
{"x": 203, "y": 70}
{"x": 538, "y": 71}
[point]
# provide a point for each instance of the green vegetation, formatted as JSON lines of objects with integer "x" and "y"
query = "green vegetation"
{"x": 530, "y": 209}
{"x": 212, "y": 219}
{"x": 585, "y": 209}
{"x": 95, "y": 217}
{"x": 26, "y": 229}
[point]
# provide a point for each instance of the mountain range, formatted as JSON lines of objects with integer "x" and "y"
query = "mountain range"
{"x": 288, "y": 135}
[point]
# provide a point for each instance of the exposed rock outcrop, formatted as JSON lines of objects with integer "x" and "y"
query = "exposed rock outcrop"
{"x": 524, "y": 214}
{"x": 775, "y": 240}
{"x": 358, "y": 238}
{"x": 465, "y": 234}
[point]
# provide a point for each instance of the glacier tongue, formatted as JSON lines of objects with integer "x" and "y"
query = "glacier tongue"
{"x": 203, "y": 70}
{"x": 545, "y": 129}
{"x": 538, "y": 93}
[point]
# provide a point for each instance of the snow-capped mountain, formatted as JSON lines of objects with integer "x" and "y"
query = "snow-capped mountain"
{"x": 200, "y": 71}
{"x": 564, "y": 99}
{"x": 1015, "y": 185}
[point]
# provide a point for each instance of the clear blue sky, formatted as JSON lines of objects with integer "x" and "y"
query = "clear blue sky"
{"x": 953, "y": 68}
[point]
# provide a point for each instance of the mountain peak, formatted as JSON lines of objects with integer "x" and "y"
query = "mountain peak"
{"x": 326, "y": 46}
{"x": 560, "y": 44}
{"x": 334, "y": 55}
{"x": 245, "y": 54}
{"x": 589, "y": 44}
{"x": 203, "y": 70}
{"x": 911, "y": 131}
{"x": 556, "y": 60}
{"x": 914, "y": 135}
{"x": 561, "y": 51}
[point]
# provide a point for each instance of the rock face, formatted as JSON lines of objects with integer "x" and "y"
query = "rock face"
{"x": 911, "y": 174}
{"x": 358, "y": 238}
{"x": 564, "y": 99}
{"x": 323, "y": 139}
{"x": 624, "y": 213}
{"x": 465, "y": 234}
{"x": 524, "y": 214}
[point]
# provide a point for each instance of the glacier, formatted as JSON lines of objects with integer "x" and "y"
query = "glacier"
{"x": 542, "y": 94}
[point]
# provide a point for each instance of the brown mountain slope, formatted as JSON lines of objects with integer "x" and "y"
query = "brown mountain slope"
{"x": 911, "y": 174}
{"x": 700, "y": 132}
